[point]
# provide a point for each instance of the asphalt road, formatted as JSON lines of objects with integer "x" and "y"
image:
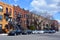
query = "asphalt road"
{"x": 55, "y": 36}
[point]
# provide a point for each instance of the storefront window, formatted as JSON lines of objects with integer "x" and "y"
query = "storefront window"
{"x": 1, "y": 8}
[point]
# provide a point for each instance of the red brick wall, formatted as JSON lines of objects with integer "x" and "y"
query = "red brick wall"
{"x": 23, "y": 12}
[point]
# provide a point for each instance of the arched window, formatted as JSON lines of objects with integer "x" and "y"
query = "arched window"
{"x": 1, "y": 8}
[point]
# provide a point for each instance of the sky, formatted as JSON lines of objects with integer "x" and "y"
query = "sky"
{"x": 51, "y": 7}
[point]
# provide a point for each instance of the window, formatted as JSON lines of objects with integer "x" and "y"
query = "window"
{"x": 0, "y": 26}
{"x": 20, "y": 21}
{"x": 25, "y": 15}
{"x": 15, "y": 13}
{"x": 0, "y": 17}
{"x": 6, "y": 10}
{"x": 19, "y": 15}
{"x": 25, "y": 22}
{"x": 10, "y": 11}
{"x": 1, "y": 9}
{"x": 7, "y": 18}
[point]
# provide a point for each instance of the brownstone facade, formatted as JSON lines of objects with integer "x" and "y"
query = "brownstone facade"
{"x": 24, "y": 15}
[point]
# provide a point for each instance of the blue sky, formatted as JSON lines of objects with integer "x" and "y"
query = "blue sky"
{"x": 21, "y": 3}
{"x": 49, "y": 6}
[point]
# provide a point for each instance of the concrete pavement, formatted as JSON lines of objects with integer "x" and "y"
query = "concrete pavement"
{"x": 55, "y": 36}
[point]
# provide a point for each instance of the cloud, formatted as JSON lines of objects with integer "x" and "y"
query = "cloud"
{"x": 58, "y": 20}
{"x": 44, "y": 6}
{"x": 56, "y": 0}
{"x": 16, "y": 1}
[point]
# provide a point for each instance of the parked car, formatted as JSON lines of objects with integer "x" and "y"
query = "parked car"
{"x": 26, "y": 32}
{"x": 34, "y": 32}
{"x": 46, "y": 31}
{"x": 49, "y": 31}
{"x": 37, "y": 31}
{"x": 18, "y": 32}
{"x": 52, "y": 31}
{"x": 41, "y": 31}
{"x": 29, "y": 31}
{"x": 14, "y": 32}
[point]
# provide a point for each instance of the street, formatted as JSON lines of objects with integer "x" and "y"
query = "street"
{"x": 46, "y": 36}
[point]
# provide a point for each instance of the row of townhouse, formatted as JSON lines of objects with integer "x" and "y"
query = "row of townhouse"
{"x": 41, "y": 23}
{"x": 26, "y": 20}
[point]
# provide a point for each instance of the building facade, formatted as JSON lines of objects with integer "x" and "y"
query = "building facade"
{"x": 5, "y": 11}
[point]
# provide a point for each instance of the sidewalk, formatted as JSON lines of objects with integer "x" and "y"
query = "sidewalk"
{"x": 3, "y": 34}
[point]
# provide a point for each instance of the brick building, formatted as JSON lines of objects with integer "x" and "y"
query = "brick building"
{"x": 27, "y": 18}
{"x": 24, "y": 15}
{"x": 55, "y": 25}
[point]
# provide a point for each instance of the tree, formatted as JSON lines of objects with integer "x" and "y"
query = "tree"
{"x": 32, "y": 27}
